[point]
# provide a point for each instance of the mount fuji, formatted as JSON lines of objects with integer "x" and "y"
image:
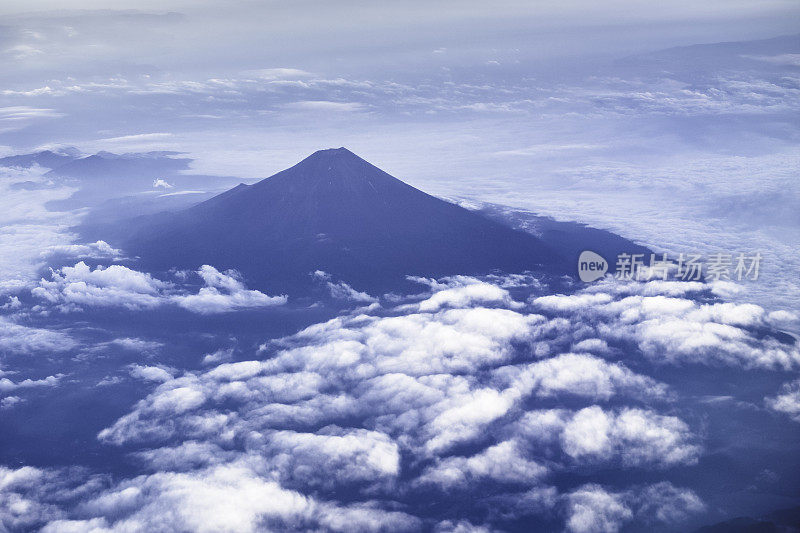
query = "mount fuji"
{"x": 337, "y": 213}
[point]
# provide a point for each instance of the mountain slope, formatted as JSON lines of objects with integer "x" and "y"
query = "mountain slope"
{"x": 335, "y": 212}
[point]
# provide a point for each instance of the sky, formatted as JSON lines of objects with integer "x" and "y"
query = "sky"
{"x": 141, "y": 401}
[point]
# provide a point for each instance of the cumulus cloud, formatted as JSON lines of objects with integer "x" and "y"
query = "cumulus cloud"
{"x": 224, "y": 292}
{"x": 502, "y": 462}
{"x": 6, "y": 385}
{"x": 116, "y": 285}
{"x": 634, "y": 437}
{"x": 342, "y": 291}
{"x": 593, "y": 509}
{"x": 787, "y": 401}
{"x": 72, "y": 288}
{"x": 465, "y": 392}
{"x": 30, "y": 497}
{"x": 23, "y": 339}
{"x": 451, "y": 390}
{"x": 224, "y": 498}
{"x": 151, "y": 373}
{"x": 672, "y": 328}
{"x": 94, "y": 250}
{"x": 338, "y": 406}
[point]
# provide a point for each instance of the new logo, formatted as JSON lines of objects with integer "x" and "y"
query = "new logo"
{"x": 591, "y": 266}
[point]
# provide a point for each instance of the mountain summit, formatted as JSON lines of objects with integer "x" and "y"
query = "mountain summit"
{"x": 335, "y": 212}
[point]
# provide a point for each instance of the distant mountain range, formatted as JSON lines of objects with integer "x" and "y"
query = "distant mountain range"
{"x": 45, "y": 158}
{"x": 106, "y": 175}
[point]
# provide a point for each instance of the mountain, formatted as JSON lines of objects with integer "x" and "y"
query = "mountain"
{"x": 104, "y": 166}
{"x": 45, "y": 158}
{"x": 335, "y": 212}
{"x": 106, "y": 175}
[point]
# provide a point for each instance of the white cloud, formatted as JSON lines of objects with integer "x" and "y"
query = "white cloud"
{"x": 6, "y": 385}
{"x": 27, "y": 227}
{"x": 408, "y": 385}
{"x": 472, "y": 293}
{"x": 151, "y": 373}
{"x": 327, "y": 105}
{"x": 593, "y": 509}
{"x": 502, "y": 462}
{"x": 632, "y": 437}
{"x": 343, "y": 291}
{"x": 787, "y": 401}
{"x": 94, "y": 250}
{"x": 24, "y": 339}
{"x": 675, "y": 329}
{"x": 113, "y": 286}
{"x": 224, "y": 292}
{"x": 79, "y": 286}
{"x": 222, "y": 498}
{"x": 388, "y": 401}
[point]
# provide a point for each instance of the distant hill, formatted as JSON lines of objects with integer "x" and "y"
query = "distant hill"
{"x": 45, "y": 158}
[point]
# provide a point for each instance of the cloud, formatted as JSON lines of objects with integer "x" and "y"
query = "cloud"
{"x": 326, "y": 105}
{"x": 787, "y": 401}
{"x": 467, "y": 292}
{"x": 10, "y": 401}
{"x": 223, "y": 355}
{"x": 502, "y": 462}
{"x": 135, "y": 138}
{"x": 6, "y": 385}
{"x": 72, "y": 288}
{"x": 25, "y": 113}
{"x": 224, "y": 498}
{"x": 30, "y": 497}
{"x": 581, "y": 375}
{"x": 114, "y": 286}
{"x": 27, "y": 227}
{"x": 278, "y": 73}
{"x": 24, "y": 339}
{"x": 94, "y": 250}
{"x": 471, "y": 393}
{"x": 343, "y": 291}
{"x": 593, "y": 509}
{"x": 412, "y": 383}
{"x": 151, "y": 373}
{"x": 675, "y": 329}
{"x": 631, "y": 437}
{"x": 349, "y": 456}
{"x": 224, "y": 292}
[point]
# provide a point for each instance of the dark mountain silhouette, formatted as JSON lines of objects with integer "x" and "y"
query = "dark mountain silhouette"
{"x": 335, "y": 212}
